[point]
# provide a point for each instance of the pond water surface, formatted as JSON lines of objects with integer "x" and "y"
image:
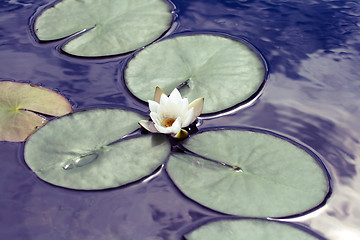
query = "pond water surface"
{"x": 312, "y": 96}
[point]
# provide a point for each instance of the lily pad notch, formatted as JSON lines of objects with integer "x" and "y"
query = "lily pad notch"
{"x": 250, "y": 173}
{"x": 224, "y": 70}
{"x": 103, "y": 28}
{"x": 24, "y": 108}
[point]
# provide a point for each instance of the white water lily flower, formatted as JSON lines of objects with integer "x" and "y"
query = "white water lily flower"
{"x": 170, "y": 114}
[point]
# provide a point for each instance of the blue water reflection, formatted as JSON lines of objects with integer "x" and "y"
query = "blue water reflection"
{"x": 312, "y": 96}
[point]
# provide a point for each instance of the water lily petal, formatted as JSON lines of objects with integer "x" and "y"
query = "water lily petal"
{"x": 175, "y": 108}
{"x": 175, "y": 95}
{"x": 189, "y": 118}
{"x": 154, "y": 116}
{"x": 184, "y": 106}
{"x": 185, "y": 101}
{"x": 161, "y": 129}
{"x": 170, "y": 109}
{"x": 198, "y": 105}
{"x": 153, "y": 106}
{"x": 164, "y": 110}
{"x": 148, "y": 125}
{"x": 163, "y": 100}
{"x": 176, "y": 127}
{"x": 157, "y": 122}
{"x": 158, "y": 94}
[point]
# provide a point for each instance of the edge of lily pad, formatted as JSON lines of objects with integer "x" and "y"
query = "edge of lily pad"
{"x": 132, "y": 135}
{"x": 201, "y": 223}
{"x": 61, "y": 42}
{"x": 40, "y": 85}
{"x": 46, "y": 117}
{"x": 241, "y": 105}
{"x": 94, "y": 108}
{"x": 302, "y": 146}
{"x": 133, "y": 183}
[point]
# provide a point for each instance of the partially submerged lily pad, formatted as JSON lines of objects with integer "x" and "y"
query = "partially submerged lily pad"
{"x": 78, "y": 151}
{"x": 249, "y": 229}
{"x": 222, "y": 70}
{"x": 113, "y": 26}
{"x": 261, "y": 175}
{"x": 19, "y": 105}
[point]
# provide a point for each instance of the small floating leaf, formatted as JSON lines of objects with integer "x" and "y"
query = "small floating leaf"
{"x": 78, "y": 151}
{"x": 19, "y": 105}
{"x": 114, "y": 26}
{"x": 249, "y": 230}
{"x": 223, "y": 71}
{"x": 261, "y": 175}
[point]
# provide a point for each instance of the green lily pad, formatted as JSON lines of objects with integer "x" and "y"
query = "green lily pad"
{"x": 78, "y": 150}
{"x": 19, "y": 105}
{"x": 265, "y": 175}
{"x": 249, "y": 229}
{"x": 114, "y": 26}
{"x": 225, "y": 72}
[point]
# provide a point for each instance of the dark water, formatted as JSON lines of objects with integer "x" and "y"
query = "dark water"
{"x": 311, "y": 96}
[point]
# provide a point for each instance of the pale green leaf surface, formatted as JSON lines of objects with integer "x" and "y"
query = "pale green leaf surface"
{"x": 19, "y": 101}
{"x": 223, "y": 71}
{"x": 277, "y": 179}
{"x": 115, "y": 26}
{"x": 87, "y": 135}
{"x": 248, "y": 230}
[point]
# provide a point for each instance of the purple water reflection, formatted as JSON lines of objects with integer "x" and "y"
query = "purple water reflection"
{"x": 312, "y": 96}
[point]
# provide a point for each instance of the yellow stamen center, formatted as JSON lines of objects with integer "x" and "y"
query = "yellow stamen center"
{"x": 169, "y": 122}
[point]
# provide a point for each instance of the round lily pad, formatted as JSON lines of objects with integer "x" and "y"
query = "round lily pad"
{"x": 224, "y": 71}
{"x": 249, "y": 229}
{"x": 78, "y": 150}
{"x": 106, "y": 27}
{"x": 20, "y": 105}
{"x": 261, "y": 175}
